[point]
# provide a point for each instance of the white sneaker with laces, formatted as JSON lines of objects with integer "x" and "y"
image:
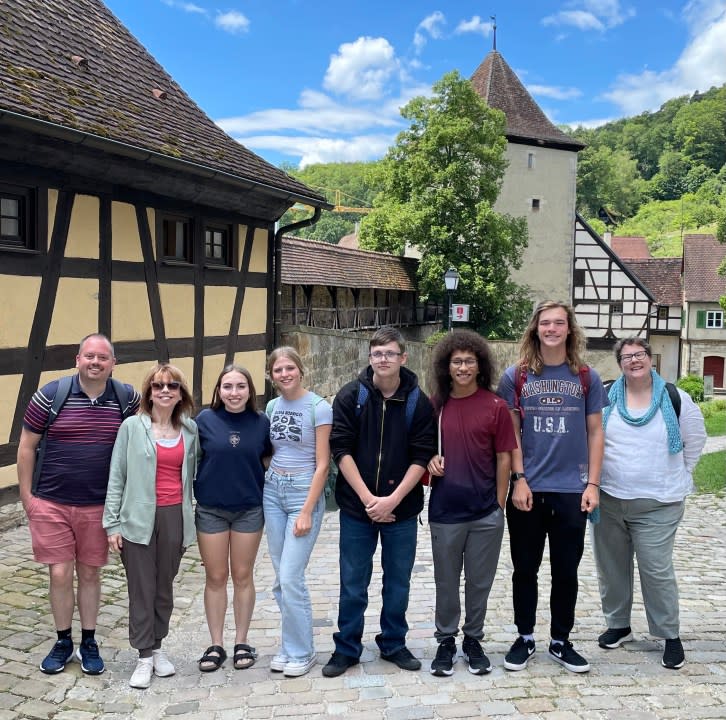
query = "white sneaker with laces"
{"x": 141, "y": 677}
{"x": 278, "y": 662}
{"x": 296, "y": 668}
{"x": 162, "y": 665}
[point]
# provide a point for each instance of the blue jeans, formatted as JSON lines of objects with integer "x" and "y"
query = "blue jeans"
{"x": 283, "y": 497}
{"x": 358, "y": 541}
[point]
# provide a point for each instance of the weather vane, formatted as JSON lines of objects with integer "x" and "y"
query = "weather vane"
{"x": 494, "y": 30}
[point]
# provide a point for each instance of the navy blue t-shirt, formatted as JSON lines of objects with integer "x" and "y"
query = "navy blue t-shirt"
{"x": 230, "y": 474}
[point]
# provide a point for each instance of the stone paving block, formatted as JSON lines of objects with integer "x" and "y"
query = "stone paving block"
{"x": 36, "y": 709}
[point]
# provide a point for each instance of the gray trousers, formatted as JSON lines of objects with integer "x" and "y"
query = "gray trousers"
{"x": 644, "y": 529}
{"x": 473, "y": 546}
{"x": 150, "y": 572}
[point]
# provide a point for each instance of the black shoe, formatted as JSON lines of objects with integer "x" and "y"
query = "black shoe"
{"x": 403, "y": 658}
{"x": 60, "y": 655}
{"x": 614, "y": 637}
{"x": 673, "y": 655}
{"x": 519, "y": 654}
{"x": 338, "y": 664}
{"x": 565, "y": 655}
{"x": 478, "y": 662}
{"x": 443, "y": 663}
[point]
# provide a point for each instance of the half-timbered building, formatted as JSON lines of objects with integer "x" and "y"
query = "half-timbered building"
{"x": 123, "y": 209}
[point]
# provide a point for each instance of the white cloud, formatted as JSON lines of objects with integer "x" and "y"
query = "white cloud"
{"x": 700, "y": 66}
{"x": 361, "y": 69}
{"x": 554, "y": 92}
{"x": 429, "y": 27}
{"x": 185, "y": 6}
{"x": 232, "y": 22}
{"x": 475, "y": 25}
{"x": 597, "y": 15}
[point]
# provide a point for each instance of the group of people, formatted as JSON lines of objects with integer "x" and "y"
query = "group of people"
{"x": 102, "y": 467}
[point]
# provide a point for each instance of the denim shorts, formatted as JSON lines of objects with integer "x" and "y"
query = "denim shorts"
{"x": 215, "y": 520}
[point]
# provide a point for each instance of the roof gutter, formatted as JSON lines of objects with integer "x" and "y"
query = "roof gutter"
{"x": 78, "y": 137}
{"x": 277, "y": 301}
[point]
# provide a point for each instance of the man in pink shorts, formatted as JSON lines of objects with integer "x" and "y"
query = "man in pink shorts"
{"x": 64, "y": 497}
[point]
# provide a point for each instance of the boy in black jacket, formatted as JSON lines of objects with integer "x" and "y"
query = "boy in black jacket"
{"x": 383, "y": 436}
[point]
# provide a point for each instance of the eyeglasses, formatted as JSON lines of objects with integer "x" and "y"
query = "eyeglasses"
{"x": 469, "y": 362}
{"x": 161, "y": 385}
{"x": 632, "y": 356}
{"x": 387, "y": 355}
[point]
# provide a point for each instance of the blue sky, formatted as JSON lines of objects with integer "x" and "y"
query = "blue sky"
{"x": 308, "y": 81}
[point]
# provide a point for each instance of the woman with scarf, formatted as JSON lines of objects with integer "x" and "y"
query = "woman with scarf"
{"x": 651, "y": 448}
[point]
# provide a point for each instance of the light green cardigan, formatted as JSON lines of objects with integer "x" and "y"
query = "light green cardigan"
{"x": 131, "y": 497}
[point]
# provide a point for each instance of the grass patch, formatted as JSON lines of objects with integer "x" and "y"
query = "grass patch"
{"x": 710, "y": 473}
{"x": 716, "y": 424}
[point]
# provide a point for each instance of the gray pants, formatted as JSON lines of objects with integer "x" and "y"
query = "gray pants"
{"x": 475, "y": 547}
{"x": 645, "y": 529}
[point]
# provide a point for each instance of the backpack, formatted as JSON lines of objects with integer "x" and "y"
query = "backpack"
{"x": 673, "y": 394}
{"x": 521, "y": 378}
{"x": 59, "y": 400}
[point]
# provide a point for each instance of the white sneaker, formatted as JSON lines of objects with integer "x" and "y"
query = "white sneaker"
{"x": 278, "y": 662}
{"x": 295, "y": 668}
{"x": 141, "y": 677}
{"x": 162, "y": 665}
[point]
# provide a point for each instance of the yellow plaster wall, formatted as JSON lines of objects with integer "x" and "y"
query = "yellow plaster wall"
{"x": 133, "y": 373}
{"x": 125, "y": 233}
{"x": 241, "y": 237}
{"x": 8, "y": 476}
{"x": 9, "y": 388}
{"x": 218, "y": 307}
{"x": 254, "y": 312}
{"x": 52, "y": 204}
{"x": 75, "y": 313}
{"x": 177, "y": 304}
{"x": 18, "y": 298}
{"x": 186, "y": 365}
{"x": 83, "y": 233}
{"x": 213, "y": 365}
{"x": 130, "y": 313}
{"x": 258, "y": 260}
{"x": 47, "y": 376}
{"x": 254, "y": 361}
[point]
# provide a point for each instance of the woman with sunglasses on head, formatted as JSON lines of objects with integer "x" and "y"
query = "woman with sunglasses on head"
{"x": 293, "y": 501}
{"x": 654, "y": 435}
{"x": 235, "y": 443}
{"x": 148, "y": 515}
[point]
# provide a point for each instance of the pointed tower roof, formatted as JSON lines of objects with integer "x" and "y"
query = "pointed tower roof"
{"x": 500, "y": 88}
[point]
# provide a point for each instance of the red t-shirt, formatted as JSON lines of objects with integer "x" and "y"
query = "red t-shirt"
{"x": 169, "y": 461}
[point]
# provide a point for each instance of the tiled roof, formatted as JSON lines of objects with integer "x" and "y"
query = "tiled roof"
{"x": 702, "y": 254}
{"x": 662, "y": 276}
{"x": 71, "y": 63}
{"x": 500, "y": 88}
{"x": 310, "y": 262}
{"x": 630, "y": 248}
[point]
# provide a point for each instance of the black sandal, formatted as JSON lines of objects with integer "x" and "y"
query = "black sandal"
{"x": 244, "y": 656}
{"x": 213, "y": 662}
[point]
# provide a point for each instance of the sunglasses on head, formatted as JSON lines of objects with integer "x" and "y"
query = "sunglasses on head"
{"x": 161, "y": 385}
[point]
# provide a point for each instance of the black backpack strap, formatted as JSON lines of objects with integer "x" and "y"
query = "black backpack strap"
{"x": 122, "y": 396}
{"x": 675, "y": 398}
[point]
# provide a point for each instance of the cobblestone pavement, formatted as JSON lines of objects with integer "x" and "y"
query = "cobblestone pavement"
{"x": 624, "y": 684}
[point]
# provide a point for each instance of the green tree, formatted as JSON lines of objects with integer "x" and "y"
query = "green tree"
{"x": 440, "y": 180}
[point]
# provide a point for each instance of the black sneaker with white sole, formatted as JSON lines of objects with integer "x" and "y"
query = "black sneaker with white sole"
{"x": 443, "y": 664}
{"x": 614, "y": 637}
{"x": 673, "y": 655}
{"x": 478, "y": 662}
{"x": 519, "y": 654}
{"x": 568, "y": 657}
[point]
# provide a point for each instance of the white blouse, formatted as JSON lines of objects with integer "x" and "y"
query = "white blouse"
{"x": 637, "y": 463}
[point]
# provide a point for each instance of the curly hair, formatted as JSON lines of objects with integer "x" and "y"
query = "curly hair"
{"x": 530, "y": 353}
{"x": 468, "y": 341}
{"x": 164, "y": 372}
{"x": 251, "y": 403}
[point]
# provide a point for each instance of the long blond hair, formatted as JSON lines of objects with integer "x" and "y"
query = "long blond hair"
{"x": 530, "y": 353}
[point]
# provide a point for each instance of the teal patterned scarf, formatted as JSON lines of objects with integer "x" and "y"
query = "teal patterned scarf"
{"x": 660, "y": 401}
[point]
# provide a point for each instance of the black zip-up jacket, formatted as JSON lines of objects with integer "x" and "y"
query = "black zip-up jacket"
{"x": 380, "y": 442}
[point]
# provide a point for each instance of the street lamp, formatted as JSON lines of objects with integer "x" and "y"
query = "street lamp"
{"x": 451, "y": 281}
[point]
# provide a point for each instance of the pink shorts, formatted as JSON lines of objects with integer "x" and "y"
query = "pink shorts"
{"x": 63, "y": 533}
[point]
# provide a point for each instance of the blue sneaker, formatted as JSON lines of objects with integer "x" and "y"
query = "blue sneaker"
{"x": 58, "y": 657}
{"x": 89, "y": 657}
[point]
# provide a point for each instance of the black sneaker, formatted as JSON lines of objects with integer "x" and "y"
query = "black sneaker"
{"x": 566, "y": 655}
{"x": 403, "y": 658}
{"x": 59, "y": 656}
{"x": 338, "y": 664}
{"x": 443, "y": 663}
{"x": 478, "y": 662}
{"x": 519, "y": 654}
{"x": 614, "y": 637}
{"x": 89, "y": 657}
{"x": 673, "y": 655}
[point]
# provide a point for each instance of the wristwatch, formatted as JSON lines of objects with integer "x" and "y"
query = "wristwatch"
{"x": 516, "y": 476}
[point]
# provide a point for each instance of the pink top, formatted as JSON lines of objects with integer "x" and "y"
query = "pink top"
{"x": 169, "y": 462}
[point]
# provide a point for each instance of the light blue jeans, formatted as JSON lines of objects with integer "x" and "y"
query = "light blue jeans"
{"x": 283, "y": 497}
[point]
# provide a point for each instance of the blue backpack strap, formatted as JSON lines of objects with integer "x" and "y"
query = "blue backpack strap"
{"x": 411, "y": 402}
{"x": 270, "y": 407}
{"x": 362, "y": 398}
{"x": 59, "y": 399}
